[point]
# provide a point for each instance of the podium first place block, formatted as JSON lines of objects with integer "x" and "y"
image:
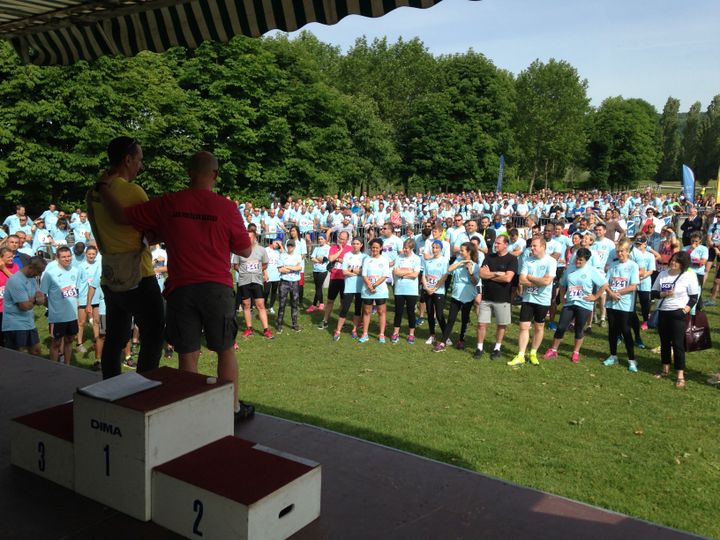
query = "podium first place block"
{"x": 118, "y": 443}
{"x": 234, "y": 489}
{"x": 42, "y": 443}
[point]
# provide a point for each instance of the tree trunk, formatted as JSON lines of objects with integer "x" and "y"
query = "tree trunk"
{"x": 533, "y": 177}
{"x": 546, "y": 174}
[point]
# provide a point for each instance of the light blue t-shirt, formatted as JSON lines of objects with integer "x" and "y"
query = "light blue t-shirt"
{"x": 601, "y": 250}
{"x": 89, "y": 276}
{"x": 353, "y": 261}
{"x": 375, "y": 268}
{"x": 581, "y": 282}
{"x": 645, "y": 262}
{"x": 696, "y": 255}
{"x": 18, "y": 288}
{"x": 61, "y": 287}
{"x": 564, "y": 242}
{"x": 272, "y": 267}
{"x": 532, "y": 266}
{"x": 391, "y": 248}
{"x": 318, "y": 253}
{"x": 619, "y": 276}
{"x": 463, "y": 289}
{"x": 287, "y": 259}
{"x": 433, "y": 270}
{"x": 407, "y": 286}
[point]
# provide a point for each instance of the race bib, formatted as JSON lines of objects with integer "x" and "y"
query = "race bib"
{"x": 576, "y": 292}
{"x": 69, "y": 292}
{"x": 62, "y": 242}
{"x": 338, "y": 265}
{"x": 431, "y": 280}
{"x": 252, "y": 266}
{"x": 618, "y": 283}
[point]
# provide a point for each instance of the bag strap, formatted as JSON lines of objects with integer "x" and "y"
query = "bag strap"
{"x": 674, "y": 282}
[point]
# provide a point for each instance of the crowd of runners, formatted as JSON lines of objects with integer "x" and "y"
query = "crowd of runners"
{"x": 569, "y": 261}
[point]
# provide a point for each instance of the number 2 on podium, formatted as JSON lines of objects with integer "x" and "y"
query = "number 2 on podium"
{"x": 198, "y": 508}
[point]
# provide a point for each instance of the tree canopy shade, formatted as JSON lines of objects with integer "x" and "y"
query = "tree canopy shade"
{"x": 65, "y": 31}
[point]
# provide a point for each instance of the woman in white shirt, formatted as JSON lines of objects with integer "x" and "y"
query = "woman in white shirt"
{"x": 678, "y": 291}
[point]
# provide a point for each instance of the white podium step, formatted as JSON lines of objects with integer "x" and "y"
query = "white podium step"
{"x": 118, "y": 443}
{"x": 42, "y": 443}
{"x": 235, "y": 489}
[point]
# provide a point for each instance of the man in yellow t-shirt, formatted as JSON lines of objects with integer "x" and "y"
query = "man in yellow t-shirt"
{"x": 142, "y": 303}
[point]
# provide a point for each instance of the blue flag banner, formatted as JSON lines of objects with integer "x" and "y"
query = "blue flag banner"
{"x": 688, "y": 184}
{"x": 630, "y": 232}
{"x": 501, "y": 172}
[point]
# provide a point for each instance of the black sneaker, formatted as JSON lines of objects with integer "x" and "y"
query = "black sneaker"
{"x": 169, "y": 352}
{"x": 129, "y": 363}
{"x": 96, "y": 366}
{"x": 245, "y": 412}
{"x": 278, "y": 329}
{"x": 296, "y": 328}
{"x": 323, "y": 325}
{"x": 497, "y": 353}
{"x": 478, "y": 354}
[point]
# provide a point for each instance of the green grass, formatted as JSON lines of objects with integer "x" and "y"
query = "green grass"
{"x": 622, "y": 441}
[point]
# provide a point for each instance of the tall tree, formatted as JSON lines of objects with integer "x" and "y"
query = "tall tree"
{"x": 709, "y": 159}
{"x": 549, "y": 122}
{"x": 692, "y": 136}
{"x": 624, "y": 147}
{"x": 669, "y": 168}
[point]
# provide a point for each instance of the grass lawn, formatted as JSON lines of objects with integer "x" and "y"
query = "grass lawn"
{"x": 622, "y": 441}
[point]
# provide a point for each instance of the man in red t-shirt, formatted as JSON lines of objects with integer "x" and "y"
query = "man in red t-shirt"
{"x": 337, "y": 278}
{"x": 200, "y": 230}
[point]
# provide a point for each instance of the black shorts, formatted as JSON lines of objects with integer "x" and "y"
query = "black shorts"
{"x": 201, "y": 306}
{"x": 21, "y": 339}
{"x": 251, "y": 290}
{"x": 533, "y": 312}
{"x": 559, "y": 271}
{"x": 335, "y": 288}
{"x": 711, "y": 254}
{"x": 63, "y": 329}
{"x": 376, "y": 301}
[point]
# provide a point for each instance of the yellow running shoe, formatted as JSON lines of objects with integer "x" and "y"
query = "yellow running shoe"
{"x": 517, "y": 361}
{"x": 534, "y": 359}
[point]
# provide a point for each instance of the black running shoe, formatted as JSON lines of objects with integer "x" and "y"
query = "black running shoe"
{"x": 245, "y": 412}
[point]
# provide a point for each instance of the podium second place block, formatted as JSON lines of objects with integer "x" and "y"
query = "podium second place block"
{"x": 118, "y": 443}
{"x": 236, "y": 490}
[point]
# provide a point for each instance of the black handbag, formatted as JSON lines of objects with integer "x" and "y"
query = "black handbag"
{"x": 697, "y": 333}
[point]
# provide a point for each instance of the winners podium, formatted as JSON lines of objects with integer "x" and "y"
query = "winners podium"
{"x": 168, "y": 453}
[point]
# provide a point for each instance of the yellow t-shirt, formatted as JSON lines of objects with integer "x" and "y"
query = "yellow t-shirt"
{"x": 116, "y": 238}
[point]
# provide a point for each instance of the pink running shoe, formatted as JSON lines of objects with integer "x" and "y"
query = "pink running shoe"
{"x": 550, "y": 354}
{"x": 575, "y": 358}
{"x": 247, "y": 332}
{"x": 321, "y": 306}
{"x": 644, "y": 326}
{"x": 310, "y": 309}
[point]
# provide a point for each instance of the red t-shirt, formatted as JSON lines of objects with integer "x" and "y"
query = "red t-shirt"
{"x": 337, "y": 272}
{"x": 200, "y": 230}
{"x": 3, "y": 280}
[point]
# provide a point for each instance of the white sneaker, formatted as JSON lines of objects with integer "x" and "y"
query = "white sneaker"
{"x": 271, "y": 311}
{"x": 430, "y": 340}
{"x": 448, "y": 343}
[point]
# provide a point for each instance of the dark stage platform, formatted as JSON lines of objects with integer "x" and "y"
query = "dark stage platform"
{"x": 369, "y": 491}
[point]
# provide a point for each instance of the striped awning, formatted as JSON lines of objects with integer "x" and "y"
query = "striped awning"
{"x": 49, "y": 32}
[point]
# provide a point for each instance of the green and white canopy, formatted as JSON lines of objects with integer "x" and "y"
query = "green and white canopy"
{"x": 48, "y": 32}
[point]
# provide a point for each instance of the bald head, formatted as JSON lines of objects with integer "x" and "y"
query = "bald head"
{"x": 203, "y": 170}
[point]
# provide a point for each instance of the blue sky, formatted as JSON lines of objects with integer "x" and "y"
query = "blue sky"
{"x": 649, "y": 49}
